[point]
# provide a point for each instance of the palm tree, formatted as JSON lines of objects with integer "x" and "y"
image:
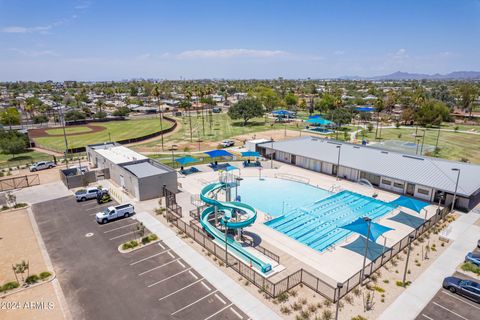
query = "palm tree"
{"x": 379, "y": 105}
{"x": 188, "y": 106}
{"x": 156, "y": 93}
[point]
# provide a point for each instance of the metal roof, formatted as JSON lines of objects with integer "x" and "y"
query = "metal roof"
{"x": 426, "y": 171}
{"x": 117, "y": 153}
{"x": 145, "y": 169}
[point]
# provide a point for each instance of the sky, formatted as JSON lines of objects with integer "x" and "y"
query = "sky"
{"x": 235, "y": 39}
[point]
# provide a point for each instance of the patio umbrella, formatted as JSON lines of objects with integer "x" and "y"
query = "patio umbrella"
{"x": 186, "y": 160}
{"x": 218, "y": 153}
{"x": 319, "y": 121}
{"x": 250, "y": 154}
{"x": 414, "y": 204}
{"x": 370, "y": 230}
{"x": 230, "y": 168}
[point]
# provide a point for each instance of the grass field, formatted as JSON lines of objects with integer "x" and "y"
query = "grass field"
{"x": 6, "y": 160}
{"x": 219, "y": 128}
{"x": 68, "y": 130}
{"x": 117, "y": 130}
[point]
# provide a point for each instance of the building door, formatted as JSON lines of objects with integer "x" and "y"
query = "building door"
{"x": 410, "y": 189}
{"x": 122, "y": 182}
{"x": 334, "y": 170}
{"x": 293, "y": 159}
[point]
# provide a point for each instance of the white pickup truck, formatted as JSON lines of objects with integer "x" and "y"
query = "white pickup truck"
{"x": 111, "y": 213}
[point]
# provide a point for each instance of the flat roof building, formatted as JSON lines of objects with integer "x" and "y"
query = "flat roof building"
{"x": 419, "y": 176}
{"x": 136, "y": 174}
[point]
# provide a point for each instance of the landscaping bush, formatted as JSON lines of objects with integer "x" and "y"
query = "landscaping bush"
{"x": 32, "y": 279}
{"x": 359, "y": 317}
{"x": 468, "y": 266}
{"x": 129, "y": 245}
{"x": 378, "y": 289}
{"x": 5, "y": 207}
{"x": 9, "y": 286}
{"x": 20, "y": 205}
{"x": 400, "y": 283}
{"x": 44, "y": 275}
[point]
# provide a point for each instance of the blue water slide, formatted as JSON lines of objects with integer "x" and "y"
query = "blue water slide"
{"x": 227, "y": 211}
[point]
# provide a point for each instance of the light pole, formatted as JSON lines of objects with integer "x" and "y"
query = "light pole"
{"x": 410, "y": 239}
{"x": 369, "y": 221}
{"x": 418, "y": 142}
{"x": 271, "y": 153}
{"x": 338, "y": 162}
{"x": 62, "y": 119}
{"x": 161, "y": 123}
{"x": 456, "y": 187}
{"x": 438, "y": 137}
{"x": 423, "y": 140}
{"x": 173, "y": 148}
{"x": 238, "y": 179}
{"x": 226, "y": 242}
{"x": 339, "y": 287}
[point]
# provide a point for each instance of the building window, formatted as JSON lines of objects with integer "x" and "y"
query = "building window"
{"x": 423, "y": 191}
{"x": 398, "y": 185}
{"x": 387, "y": 182}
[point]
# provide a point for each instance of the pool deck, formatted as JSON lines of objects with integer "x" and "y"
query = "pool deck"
{"x": 333, "y": 265}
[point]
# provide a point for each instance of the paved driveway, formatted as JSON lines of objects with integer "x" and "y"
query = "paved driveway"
{"x": 101, "y": 283}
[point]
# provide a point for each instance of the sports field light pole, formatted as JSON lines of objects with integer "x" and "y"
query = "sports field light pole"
{"x": 423, "y": 140}
{"x": 456, "y": 187}
{"x": 62, "y": 120}
{"x": 438, "y": 137}
{"x": 271, "y": 154}
{"x": 338, "y": 162}
{"x": 418, "y": 142}
{"x": 173, "y": 148}
{"x": 410, "y": 239}
{"x": 160, "y": 113}
{"x": 369, "y": 221}
{"x": 339, "y": 287}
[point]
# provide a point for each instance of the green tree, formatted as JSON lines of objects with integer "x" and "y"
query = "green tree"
{"x": 291, "y": 100}
{"x": 41, "y": 118}
{"x": 121, "y": 112}
{"x": 432, "y": 112}
{"x": 467, "y": 96}
{"x": 74, "y": 115}
{"x": 13, "y": 144}
{"x": 246, "y": 109}
{"x": 10, "y": 117}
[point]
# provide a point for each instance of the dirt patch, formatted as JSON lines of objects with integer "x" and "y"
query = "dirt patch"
{"x": 43, "y": 132}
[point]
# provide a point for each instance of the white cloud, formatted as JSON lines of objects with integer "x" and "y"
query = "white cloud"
{"x": 34, "y": 53}
{"x": 339, "y": 52}
{"x": 231, "y": 53}
{"x": 400, "y": 54}
{"x": 15, "y": 29}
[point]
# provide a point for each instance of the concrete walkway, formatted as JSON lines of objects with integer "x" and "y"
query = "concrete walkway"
{"x": 249, "y": 304}
{"x": 411, "y": 302}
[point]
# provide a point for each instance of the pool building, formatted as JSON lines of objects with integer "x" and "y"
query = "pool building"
{"x": 425, "y": 178}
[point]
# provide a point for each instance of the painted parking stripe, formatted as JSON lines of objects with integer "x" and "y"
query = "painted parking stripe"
{"x": 213, "y": 315}
{"x": 152, "y": 256}
{"x": 167, "y": 278}
{"x": 220, "y": 299}
{"x": 113, "y": 222}
{"x": 466, "y": 302}
{"x": 181, "y": 264}
{"x": 207, "y": 287}
{"x": 452, "y": 312}
{"x": 424, "y": 315}
{"x": 181, "y": 289}
{"x": 161, "y": 246}
{"x": 97, "y": 208}
{"x": 194, "y": 302}
{"x": 122, "y": 235}
{"x": 131, "y": 224}
{"x": 171, "y": 255}
{"x": 238, "y": 314}
{"x": 157, "y": 267}
{"x": 193, "y": 274}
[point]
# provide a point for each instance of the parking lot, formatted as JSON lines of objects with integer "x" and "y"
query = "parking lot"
{"x": 101, "y": 283}
{"x": 450, "y": 306}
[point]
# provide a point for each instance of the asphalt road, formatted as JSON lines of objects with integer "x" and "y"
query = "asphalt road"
{"x": 101, "y": 283}
{"x": 450, "y": 306}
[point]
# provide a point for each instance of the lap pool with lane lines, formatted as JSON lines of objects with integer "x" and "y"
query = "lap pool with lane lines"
{"x": 314, "y": 216}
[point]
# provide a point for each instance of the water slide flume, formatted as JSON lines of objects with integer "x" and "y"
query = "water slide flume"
{"x": 226, "y": 212}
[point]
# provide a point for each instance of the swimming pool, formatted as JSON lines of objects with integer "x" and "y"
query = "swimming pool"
{"x": 318, "y": 224}
{"x": 278, "y": 196}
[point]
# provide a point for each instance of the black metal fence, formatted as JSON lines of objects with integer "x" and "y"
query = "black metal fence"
{"x": 302, "y": 276}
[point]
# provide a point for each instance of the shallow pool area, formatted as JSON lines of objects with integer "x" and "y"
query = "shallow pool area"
{"x": 276, "y": 197}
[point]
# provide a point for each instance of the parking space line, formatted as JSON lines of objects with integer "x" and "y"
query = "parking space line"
{"x": 220, "y": 299}
{"x": 96, "y": 208}
{"x": 193, "y": 274}
{"x": 177, "y": 291}
{"x": 238, "y": 314}
{"x": 208, "y": 288}
{"x": 116, "y": 221}
{"x": 423, "y": 314}
{"x": 181, "y": 264}
{"x": 157, "y": 267}
{"x": 89, "y": 203}
{"x": 171, "y": 255}
{"x": 466, "y": 302}
{"x": 122, "y": 235}
{"x": 452, "y": 312}
{"x": 168, "y": 278}
{"x": 191, "y": 304}
{"x": 213, "y": 315}
{"x": 152, "y": 256}
{"x": 108, "y": 231}
{"x": 161, "y": 246}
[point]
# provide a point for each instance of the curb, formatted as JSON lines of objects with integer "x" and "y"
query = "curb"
{"x": 30, "y": 286}
{"x": 137, "y": 247}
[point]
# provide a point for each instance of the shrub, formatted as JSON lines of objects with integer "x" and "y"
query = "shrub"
{"x": 400, "y": 283}
{"x": 305, "y": 314}
{"x": 44, "y": 275}
{"x": 303, "y": 301}
{"x": 359, "y": 317}
{"x": 285, "y": 310}
{"x": 312, "y": 308}
{"x": 386, "y": 281}
{"x": 349, "y": 299}
{"x": 130, "y": 245}
{"x": 9, "y": 286}
{"x": 32, "y": 279}
{"x": 296, "y": 306}
{"x": 468, "y": 266}
{"x": 327, "y": 315}
{"x": 378, "y": 289}
{"x": 356, "y": 292}
{"x": 283, "y": 297}
{"x": 327, "y": 303}
{"x": 152, "y": 237}
{"x": 293, "y": 293}
{"x": 5, "y": 207}
{"x": 20, "y": 205}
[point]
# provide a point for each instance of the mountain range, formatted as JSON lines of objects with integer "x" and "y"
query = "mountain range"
{"x": 456, "y": 75}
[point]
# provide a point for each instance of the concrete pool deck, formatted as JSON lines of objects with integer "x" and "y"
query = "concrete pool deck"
{"x": 334, "y": 265}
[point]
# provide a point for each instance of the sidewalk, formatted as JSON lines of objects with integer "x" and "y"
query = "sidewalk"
{"x": 465, "y": 236}
{"x": 249, "y": 304}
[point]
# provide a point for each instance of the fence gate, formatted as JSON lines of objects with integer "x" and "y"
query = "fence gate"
{"x": 19, "y": 182}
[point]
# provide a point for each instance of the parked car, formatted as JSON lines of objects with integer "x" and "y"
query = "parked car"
{"x": 87, "y": 194}
{"x": 217, "y": 110}
{"x": 227, "y": 143}
{"x": 467, "y": 288}
{"x": 42, "y": 165}
{"x": 473, "y": 257}
{"x": 111, "y": 213}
